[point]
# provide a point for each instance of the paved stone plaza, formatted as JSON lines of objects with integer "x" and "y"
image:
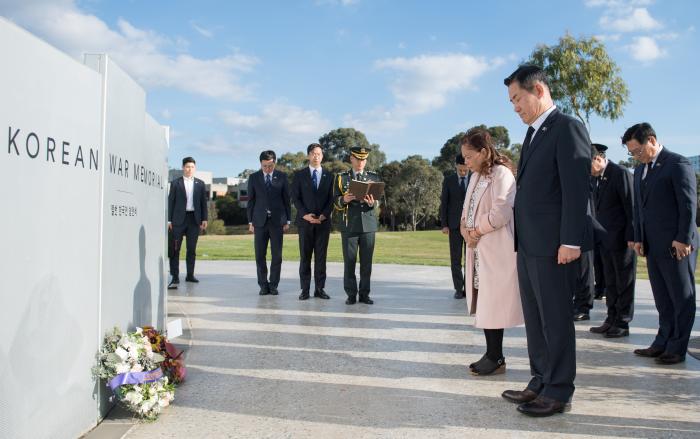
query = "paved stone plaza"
{"x": 275, "y": 367}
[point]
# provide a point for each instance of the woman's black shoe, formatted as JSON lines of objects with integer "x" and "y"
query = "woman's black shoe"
{"x": 476, "y": 363}
{"x": 490, "y": 367}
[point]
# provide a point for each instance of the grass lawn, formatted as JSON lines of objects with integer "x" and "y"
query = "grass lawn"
{"x": 411, "y": 248}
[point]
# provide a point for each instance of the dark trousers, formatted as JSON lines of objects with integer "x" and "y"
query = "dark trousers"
{"x": 545, "y": 293}
{"x": 599, "y": 270}
{"x": 190, "y": 230}
{"x": 584, "y": 292}
{"x": 620, "y": 274}
{"x": 456, "y": 252}
{"x": 313, "y": 240}
{"x": 351, "y": 242}
{"x": 673, "y": 286}
{"x": 272, "y": 234}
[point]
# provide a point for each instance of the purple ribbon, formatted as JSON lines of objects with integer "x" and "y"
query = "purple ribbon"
{"x": 135, "y": 378}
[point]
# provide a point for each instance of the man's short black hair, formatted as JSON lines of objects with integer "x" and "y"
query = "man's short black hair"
{"x": 526, "y": 75}
{"x": 268, "y": 155}
{"x": 639, "y": 132}
{"x": 187, "y": 160}
{"x": 459, "y": 159}
{"x": 312, "y": 147}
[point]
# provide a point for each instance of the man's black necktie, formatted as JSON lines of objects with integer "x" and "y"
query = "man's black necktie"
{"x": 268, "y": 182}
{"x": 462, "y": 183}
{"x": 526, "y": 143}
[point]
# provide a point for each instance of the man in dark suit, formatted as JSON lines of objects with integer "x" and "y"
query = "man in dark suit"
{"x": 665, "y": 202}
{"x": 312, "y": 194}
{"x": 187, "y": 215}
{"x": 454, "y": 189}
{"x": 552, "y": 228}
{"x": 268, "y": 218}
{"x": 612, "y": 199}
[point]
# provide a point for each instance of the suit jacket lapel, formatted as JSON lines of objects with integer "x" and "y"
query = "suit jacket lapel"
{"x": 539, "y": 136}
{"x": 652, "y": 175}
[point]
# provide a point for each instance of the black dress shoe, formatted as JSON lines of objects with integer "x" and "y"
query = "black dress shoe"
{"x": 321, "y": 294}
{"x": 172, "y": 286}
{"x": 192, "y": 279}
{"x": 175, "y": 281}
{"x": 602, "y": 329}
{"x": 351, "y": 301}
{"x": 519, "y": 396}
{"x": 651, "y": 351}
{"x": 580, "y": 316}
{"x": 273, "y": 291}
{"x": 615, "y": 332}
{"x": 670, "y": 358}
{"x": 460, "y": 295}
{"x": 599, "y": 294}
{"x": 366, "y": 299}
{"x": 543, "y": 406}
{"x": 490, "y": 367}
{"x": 264, "y": 291}
{"x": 304, "y": 295}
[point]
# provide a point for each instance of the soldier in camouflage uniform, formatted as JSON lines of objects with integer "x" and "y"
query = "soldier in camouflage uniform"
{"x": 358, "y": 223}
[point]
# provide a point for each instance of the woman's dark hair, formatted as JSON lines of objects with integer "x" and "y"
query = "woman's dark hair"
{"x": 268, "y": 155}
{"x": 479, "y": 139}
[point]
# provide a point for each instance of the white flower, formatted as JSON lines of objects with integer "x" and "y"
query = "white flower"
{"x": 122, "y": 368}
{"x": 122, "y": 353}
{"x": 133, "y": 397}
{"x": 137, "y": 368}
{"x": 139, "y": 331}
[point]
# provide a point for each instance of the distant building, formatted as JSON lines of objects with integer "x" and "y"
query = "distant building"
{"x": 695, "y": 162}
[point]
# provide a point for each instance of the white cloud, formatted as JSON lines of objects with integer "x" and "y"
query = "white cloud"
{"x": 277, "y": 123}
{"x": 645, "y": 49}
{"x": 143, "y": 53}
{"x": 207, "y": 33}
{"x": 637, "y": 20}
{"x": 421, "y": 84}
{"x": 424, "y": 82}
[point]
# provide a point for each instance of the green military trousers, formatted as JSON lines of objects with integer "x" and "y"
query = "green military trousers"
{"x": 351, "y": 241}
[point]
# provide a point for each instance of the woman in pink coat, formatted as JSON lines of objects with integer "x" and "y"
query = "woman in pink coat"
{"x": 487, "y": 226}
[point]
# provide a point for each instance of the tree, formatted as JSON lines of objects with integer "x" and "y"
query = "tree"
{"x": 230, "y": 211}
{"x": 388, "y": 173}
{"x": 446, "y": 160}
{"x": 246, "y": 173}
{"x": 630, "y": 163}
{"x": 336, "y": 145}
{"x": 290, "y": 162}
{"x": 584, "y": 80}
{"x": 415, "y": 190}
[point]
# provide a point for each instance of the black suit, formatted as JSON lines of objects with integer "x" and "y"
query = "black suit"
{"x": 451, "y": 204}
{"x": 313, "y": 238}
{"x": 551, "y": 210}
{"x": 268, "y": 212}
{"x": 612, "y": 195}
{"x": 184, "y": 222}
{"x": 664, "y": 211}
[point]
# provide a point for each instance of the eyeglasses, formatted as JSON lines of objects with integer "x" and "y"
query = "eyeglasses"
{"x": 635, "y": 152}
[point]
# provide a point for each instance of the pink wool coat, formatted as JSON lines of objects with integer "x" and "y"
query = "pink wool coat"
{"x": 498, "y": 300}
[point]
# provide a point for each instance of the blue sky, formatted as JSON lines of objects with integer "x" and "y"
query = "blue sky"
{"x": 234, "y": 78}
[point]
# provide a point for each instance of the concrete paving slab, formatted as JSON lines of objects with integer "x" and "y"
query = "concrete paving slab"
{"x": 277, "y": 367}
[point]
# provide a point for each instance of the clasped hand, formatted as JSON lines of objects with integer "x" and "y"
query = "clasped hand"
{"x": 313, "y": 219}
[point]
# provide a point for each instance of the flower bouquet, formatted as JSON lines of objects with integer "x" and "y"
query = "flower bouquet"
{"x": 174, "y": 364}
{"x": 132, "y": 371}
